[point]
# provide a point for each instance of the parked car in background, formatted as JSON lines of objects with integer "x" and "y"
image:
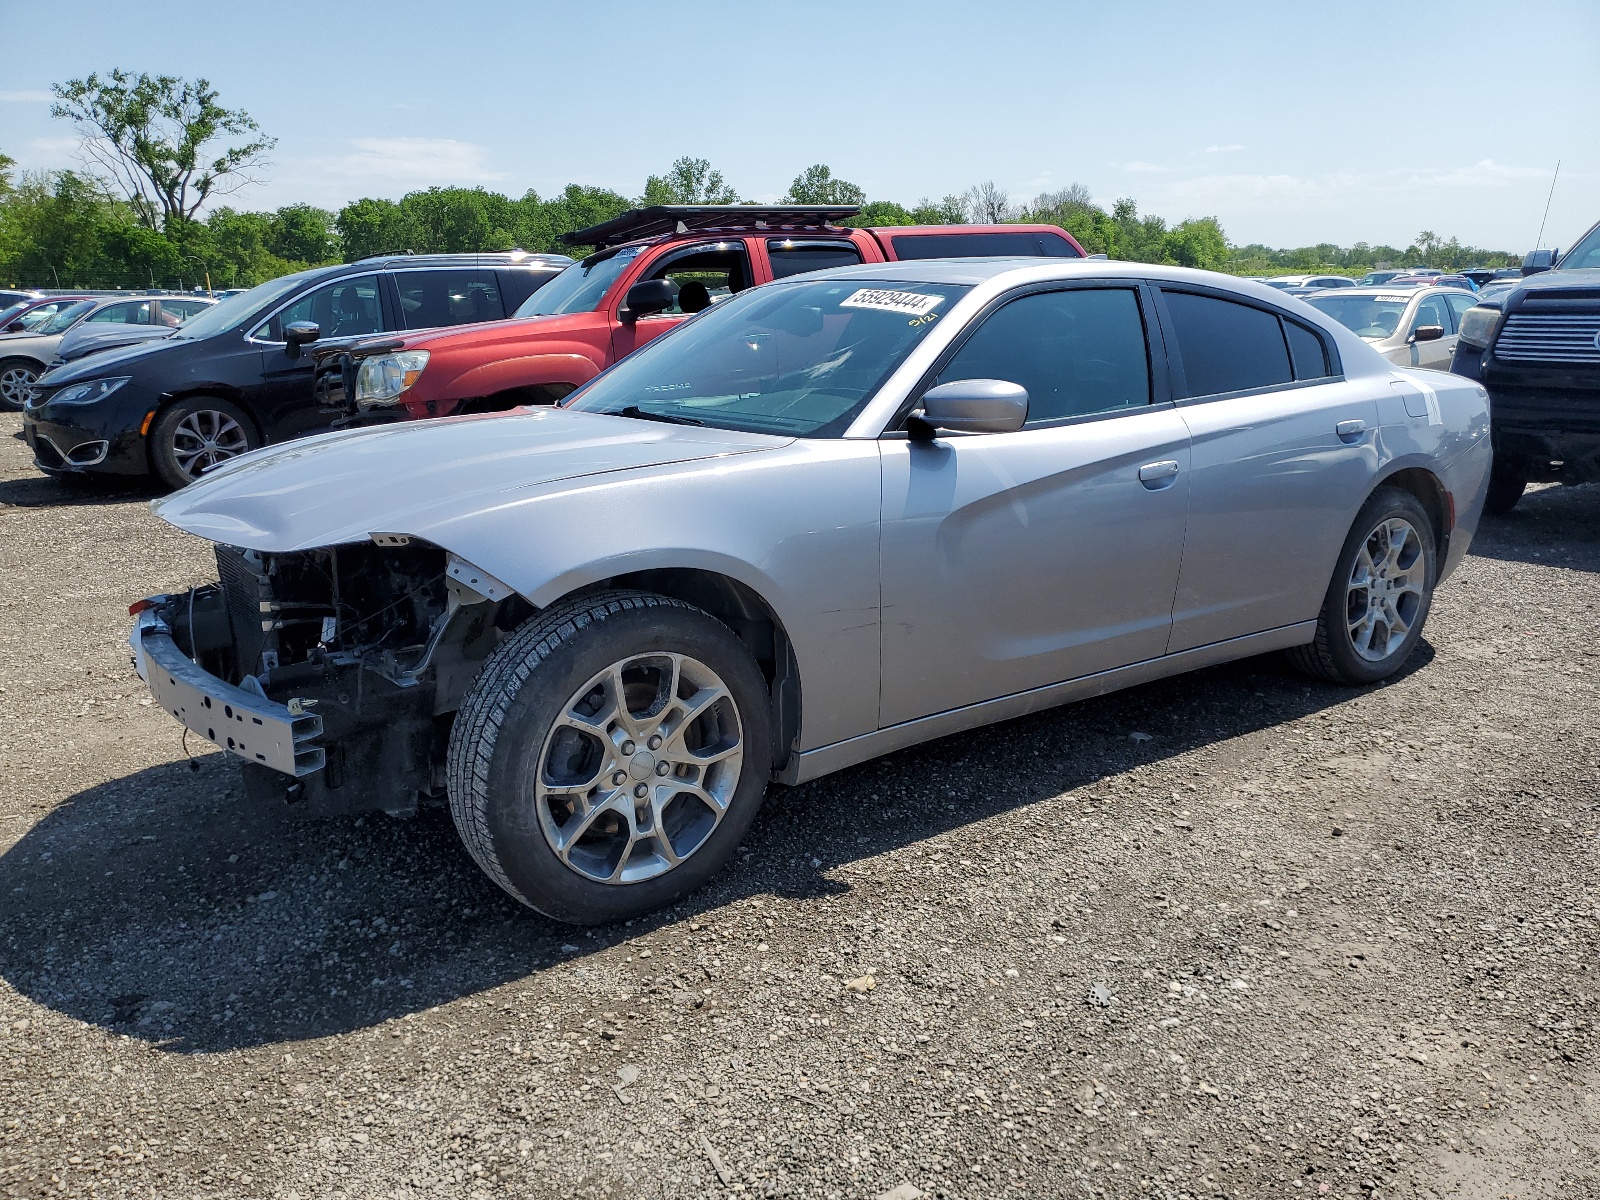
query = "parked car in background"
{"x": 656, "y": 267}
{"x": 10, "y": 296}
{"x": 235, "y": 376}
{"x": 1410, "y": 327}
{"x": 1300, "y": 284}
{"x": 1436, "y": 280}
{"x": 93, "y": 337}
{"x": 24, "y": 357}
{"x": 26, "y": 315}
{"x": 1495, "y": 289}
{"x": 826, "y": 519}
{"x": 1375, "y": 278}
{"x": 1536, "y": 347}
{"x": 1483, "y": 275}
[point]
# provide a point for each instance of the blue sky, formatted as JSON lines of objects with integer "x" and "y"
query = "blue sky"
{"x": 1291, "y": 122}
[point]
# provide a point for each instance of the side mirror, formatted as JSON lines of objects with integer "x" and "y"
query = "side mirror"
{"x": 976, "y": 406}
{"x": 1427, "y": 333}
{"x": 297, "y": 334}
{"x": 1536, "y": 261}
{"x": 647, "y": 297}
{"x": 14, "y": 327}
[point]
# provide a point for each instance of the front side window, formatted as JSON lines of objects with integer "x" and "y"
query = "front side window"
{"x": 796, "y": 359}
{"x": 1585, "y": 254}
{"x": 1227, "y": 347}
{"x": 796, "y": 258}
{"x": 345, "y": 308}
{"x": 1431, "y": 311}
{"x": 704, "y": 275}
{"x": 429, "y": 299}
{"x": 140, "y": 313}
{"x": 1077, "y": 352}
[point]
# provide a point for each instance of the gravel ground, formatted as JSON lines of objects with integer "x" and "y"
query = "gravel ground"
{"x": 1229, "y": 935}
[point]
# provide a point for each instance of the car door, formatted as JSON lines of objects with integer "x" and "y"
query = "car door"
{"x": 347, "y": 307}
{"x": 1457, "y": 303}
{"x": 1015, "y": 560}
{"x": 1433, "y": 355}
{"x": 1283, "y": 456}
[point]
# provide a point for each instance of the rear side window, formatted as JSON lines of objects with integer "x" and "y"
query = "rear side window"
{"x": 429, "y": 299}
{"x": 1227, "y": 347}
{"x": 1310, "y": 356}
{"x": 796, "y": 258}
{"x": 981, "y": 245}
{"x": 1077, "y": 352}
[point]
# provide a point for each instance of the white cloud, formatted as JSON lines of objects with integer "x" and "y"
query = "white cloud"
{"x": 29, "y": 96}
{"x": 1484, "y": 173}
{"x": 1143, "y": 168}
{"x": 1222, "y": 149}
{"x": 412, "y": 161}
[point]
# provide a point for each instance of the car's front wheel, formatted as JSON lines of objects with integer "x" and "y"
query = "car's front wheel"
{"x": 196, "y": 434}
{"x": 1382, "y": 588}
{"x": 610, "y": 756}
{"x": 17, "y": 377}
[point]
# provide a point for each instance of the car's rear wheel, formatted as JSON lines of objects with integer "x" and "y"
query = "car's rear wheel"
{"x": 17, "y": 377}
{"x": 610, "y": 756}
{"x": 1382, "y": 588}
{"x": 196, "y": 434}
{"x": 1508, "y": 479}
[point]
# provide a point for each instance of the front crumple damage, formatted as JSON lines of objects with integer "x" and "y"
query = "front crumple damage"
{"x": 378, "y": 641}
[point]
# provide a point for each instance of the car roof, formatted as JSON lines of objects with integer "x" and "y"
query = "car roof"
{"x": 1027, "y": 269}
{"x": 1387, "y": 291}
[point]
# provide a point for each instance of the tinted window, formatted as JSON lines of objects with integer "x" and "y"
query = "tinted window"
{"x": 796, "y": 258}
{"x": 1227, "y": 347}
{"x": 704, "y": 275}
{"x": 1432, "y": 311}
{"x": 976, "y": 245}
{"x": 1079, "y": 351}
{"x": 345, "y": 308}
{"x": 429, "y": 299}
{"x": 1306, "y": 349}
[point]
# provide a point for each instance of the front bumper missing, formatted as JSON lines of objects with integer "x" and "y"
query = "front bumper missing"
{"x": 256, "y": 729}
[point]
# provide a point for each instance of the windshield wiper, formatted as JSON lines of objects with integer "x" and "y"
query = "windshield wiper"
{"x": 633, "y": 410}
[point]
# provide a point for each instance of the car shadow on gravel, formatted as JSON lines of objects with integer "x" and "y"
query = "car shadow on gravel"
{"x": 160, "y": 906}
{"x": 1550, "y": 527}
{"x": 45, "y": 491}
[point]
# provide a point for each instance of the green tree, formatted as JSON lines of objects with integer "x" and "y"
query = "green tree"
{"x": 951, "y": 210}
{"x": 154, "y": 137}
{"x": 579, "y": 207}
{"x": 880, "y": 213}
{"x": 817, "y": 185}
{"x": 6, "y": 163}
{"x": 688, "y": 181}
{"x": 1197, "y": 242}
{"x": 301, "y": 233}
{"x": 368, "y": 227}
{"x": 457, "y": 220}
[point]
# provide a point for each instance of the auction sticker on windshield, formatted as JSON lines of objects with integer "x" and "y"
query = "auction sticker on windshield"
{"x": 913, "y": 303}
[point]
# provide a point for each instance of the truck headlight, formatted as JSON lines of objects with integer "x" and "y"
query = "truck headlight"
{"x": 88, "y": 393}
{"x": 1478, "y": 325}
{"x": 383, "y": 377}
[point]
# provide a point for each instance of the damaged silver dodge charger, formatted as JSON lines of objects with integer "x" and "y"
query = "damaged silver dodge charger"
{"x": 826, "y": 519}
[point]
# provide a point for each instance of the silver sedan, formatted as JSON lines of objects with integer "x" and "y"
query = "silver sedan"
{"x": 826, "y": 519}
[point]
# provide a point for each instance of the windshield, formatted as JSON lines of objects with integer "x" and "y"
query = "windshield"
{"x": 1585, "y": 254}
{"x": 235, "y": 310}
{"x": 579, "y": 288}
{"x": 799, "y": 360}
{"x": 1371, "y": 317}
{"x": 8, "y": 314}
{"x": 66, "y": 318}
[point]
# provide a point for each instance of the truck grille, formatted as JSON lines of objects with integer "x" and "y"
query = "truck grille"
{"x": 243, "y": 590}
{"x": 1550, "y": 337}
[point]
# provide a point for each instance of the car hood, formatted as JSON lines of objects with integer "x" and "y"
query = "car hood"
{"x": 427, "y": 479}
{"x": 1586, "y": 278}
{"x": 103, "y": 362}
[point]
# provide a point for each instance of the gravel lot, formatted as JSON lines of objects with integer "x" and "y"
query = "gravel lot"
{"x": 1230, "y": 935}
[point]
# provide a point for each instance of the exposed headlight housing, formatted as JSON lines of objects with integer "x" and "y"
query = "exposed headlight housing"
{"x": 1478, "y": 325}
{"x": 89, "y": 393}
{"x": 383, "y": 377}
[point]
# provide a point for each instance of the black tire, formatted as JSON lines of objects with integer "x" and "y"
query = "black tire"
{"x": 1333, "y": 654}
{"x": 1508, "y": 479}
{"x": 17, "y": 375}
{"x": 172, "y": 440}
{"x": 498, "y": 742}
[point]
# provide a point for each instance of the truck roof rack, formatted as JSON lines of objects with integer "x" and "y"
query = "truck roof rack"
{"x": 661, "y": 219}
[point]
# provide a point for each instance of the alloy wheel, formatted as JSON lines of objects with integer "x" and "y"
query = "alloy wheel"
{"x": 205, "y": 438}
{"x": 15, "y": 385}
{"x": 639, "y": 768}
{"x": 1384, "y": 596}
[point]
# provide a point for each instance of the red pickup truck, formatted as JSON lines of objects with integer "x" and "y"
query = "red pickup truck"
{"x": 653, "y": 268}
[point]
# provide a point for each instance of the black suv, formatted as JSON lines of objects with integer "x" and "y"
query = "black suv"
{"x": 1537, "y": 350}
{"x": 234, "y": 378}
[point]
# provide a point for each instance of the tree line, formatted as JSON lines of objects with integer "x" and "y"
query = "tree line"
{"x": 158, "y": 150}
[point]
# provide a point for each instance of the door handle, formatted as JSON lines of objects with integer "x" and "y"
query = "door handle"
{"x": 1158, "y": 474}
{"x": 1350, "y": 431}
